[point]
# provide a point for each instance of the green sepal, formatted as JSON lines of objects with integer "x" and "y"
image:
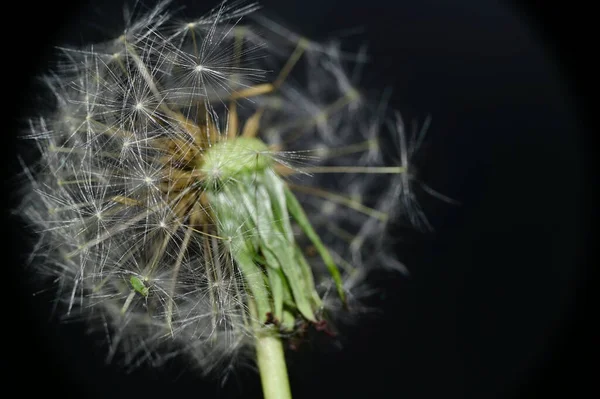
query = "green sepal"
{"x": 242, "y": 249}
{"x": 298, "y": 214}
{"x": 308, "y": 277}
{"x": 253, "y": 276}
{"x": 276, "y": 188}
{"x": 289, "y": 309}
{"x": 276, "y": 285}
{"x": 288, "y": 321}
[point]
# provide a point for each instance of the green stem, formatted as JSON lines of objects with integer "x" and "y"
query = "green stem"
{"x": 270, "y": 358}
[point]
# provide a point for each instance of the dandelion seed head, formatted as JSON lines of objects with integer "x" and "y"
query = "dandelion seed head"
{"x": 185, "y": 175}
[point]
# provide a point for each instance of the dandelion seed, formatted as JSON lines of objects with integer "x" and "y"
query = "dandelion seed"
{"x": 193, "y": 200}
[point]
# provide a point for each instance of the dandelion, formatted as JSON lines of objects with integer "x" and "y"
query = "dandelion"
{"x": 211, "y": 187}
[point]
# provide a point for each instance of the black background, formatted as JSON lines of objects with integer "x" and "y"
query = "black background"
{"x": 498, "y": 303}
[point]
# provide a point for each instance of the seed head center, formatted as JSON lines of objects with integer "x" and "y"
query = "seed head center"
{"x": 231, "y": 158}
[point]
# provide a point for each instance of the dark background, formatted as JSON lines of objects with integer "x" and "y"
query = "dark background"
{"x": 498, "y": 303}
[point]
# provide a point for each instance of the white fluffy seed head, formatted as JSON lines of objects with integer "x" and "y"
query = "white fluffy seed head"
{"x": 118, "y": 197}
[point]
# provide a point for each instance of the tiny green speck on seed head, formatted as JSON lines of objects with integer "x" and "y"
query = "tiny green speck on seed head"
{"x": 138, "y": 286}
